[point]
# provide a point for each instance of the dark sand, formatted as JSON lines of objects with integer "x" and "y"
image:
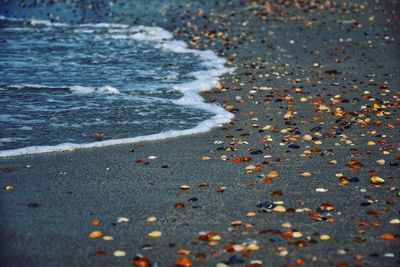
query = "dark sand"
{"x": 327, "y": 72}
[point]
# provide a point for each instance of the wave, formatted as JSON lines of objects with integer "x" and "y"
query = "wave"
{"x": 203, "y": 81}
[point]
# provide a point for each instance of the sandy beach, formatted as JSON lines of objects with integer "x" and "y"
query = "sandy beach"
{"x": 307, "y": 173}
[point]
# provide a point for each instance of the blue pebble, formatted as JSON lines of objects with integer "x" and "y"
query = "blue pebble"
{"x": 235, "y": 259}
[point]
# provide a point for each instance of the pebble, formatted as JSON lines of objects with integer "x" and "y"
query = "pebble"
{"x": 395, "y": 221}
{"x": 381, "y": 162}
{"x": 230, "y": 107}
{"x": 119, "y": 253}
{"x": 297, "y": 234}
{"x": 376, "y": 180}
{"x": 238, "y": 247}
{"x": 307, "y": 137}
{"x": 9, "y": 188}
{"x": 96, "y": 234}
{"x": 236, "y": 223}
{"x": 253, "y": 247}
{"x": 185, "y": 187}
{"x": 322, "y": 190}
{"x": 122, "y": 220}
{"x": 151, "y": 219}
{"x": 279, "y": 209}
{"x": 324, "y": 237}
{"x": 155, "y": 234}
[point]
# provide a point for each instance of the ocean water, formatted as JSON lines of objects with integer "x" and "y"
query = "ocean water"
{"x": 76, "y": 86}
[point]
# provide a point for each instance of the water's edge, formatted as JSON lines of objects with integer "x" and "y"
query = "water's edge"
{"x": 204, "y": 81}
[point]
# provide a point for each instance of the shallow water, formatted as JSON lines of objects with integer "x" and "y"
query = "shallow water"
{"x": 87, "y": 83}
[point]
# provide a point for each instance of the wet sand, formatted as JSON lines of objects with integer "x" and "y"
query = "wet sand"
{"x": 307, "y": 173}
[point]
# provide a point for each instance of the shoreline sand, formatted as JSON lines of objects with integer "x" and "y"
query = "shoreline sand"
{"x": 306, "y": 174}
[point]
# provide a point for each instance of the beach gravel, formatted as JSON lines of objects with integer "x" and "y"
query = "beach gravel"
{"x": 307, "y": 173}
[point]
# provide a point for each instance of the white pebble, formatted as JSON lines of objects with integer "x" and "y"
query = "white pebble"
{"x": 122, "y": 220}
{"x": 119, "y": 253}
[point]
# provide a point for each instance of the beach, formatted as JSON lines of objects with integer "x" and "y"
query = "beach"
{"x": 306, "y": 173}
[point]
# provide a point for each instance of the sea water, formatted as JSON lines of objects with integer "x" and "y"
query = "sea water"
{"x": 68, "y": 86}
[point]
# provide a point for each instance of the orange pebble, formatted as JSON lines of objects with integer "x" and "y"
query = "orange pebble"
{"x": 387, "y": 236}
{"x": 184, "y": 252}
{"x": 96, "y": 234}
{"x": 96, "y": 222}
{"x": 183, "y": 262}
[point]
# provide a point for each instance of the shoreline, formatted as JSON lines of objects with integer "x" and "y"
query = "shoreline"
{"x": 203, "y": 81}
{"x": 305, "y": 174}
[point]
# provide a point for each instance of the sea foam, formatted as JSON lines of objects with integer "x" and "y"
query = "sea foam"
{"x": 203, "y": 80}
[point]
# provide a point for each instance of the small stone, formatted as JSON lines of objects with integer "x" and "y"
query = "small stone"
{"x": 273, "y": 174}
{"x": 355, "y": 164}
{"x": 395, "y": 221}
{"x": 96, "y": 234}
{"x": 266, "y": 207}
{"x": 235, "y": 259}
{"x": 390, "y": 255}
{"x": 183, "y": 262}
{"x": 122, "y": 220}
{"x": 185, "y": 187}
{"x": 307, "y": 137}
{"x": 230, "y": 107}
{"x": 325, "y": 207}
{"x": 250, "y": 167}
{"x": 381, "y": 162}
{"x": 324, "y": 237}
{"x": 151, "y": 219}
{"x": 238, "y": 247}
{"x": 387, "y": 236}
{"x": 321, "y": 190}
{"x": 283, "y": 253}
{"x": 216, "y": 238}
{"x": 119, "y": 253}
{"x": 9, "y": 188}
{"x": 253, "y": 247}
{"x": 376, "y": 180}
{"x": 155, "y": 234}
{"x": 279, "y": 209}
{"x": 95, "y": 222}
{"x": 297, "y": 234}
{"x": 141, "y": 261}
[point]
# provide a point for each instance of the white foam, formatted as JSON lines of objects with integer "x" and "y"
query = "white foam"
{"x": 90, "y": 90}
{"x": 46, "y": 23}
{"x": 104, "y": 25}
{"x": 204, "y": 80}
{"x": 35, "y": 86}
